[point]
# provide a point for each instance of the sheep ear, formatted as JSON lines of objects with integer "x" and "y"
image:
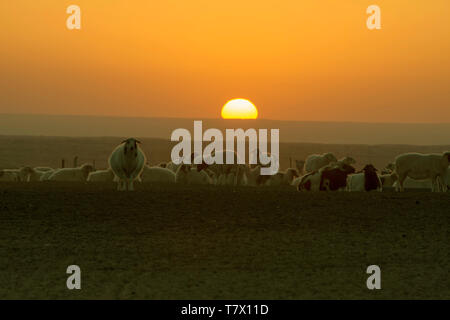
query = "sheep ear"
{"x": 137, "y": 141}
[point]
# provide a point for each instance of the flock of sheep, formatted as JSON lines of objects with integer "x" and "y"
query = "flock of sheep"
{"x": 127, "y": 164}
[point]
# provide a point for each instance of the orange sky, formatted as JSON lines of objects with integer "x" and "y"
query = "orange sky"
{"x": 296, "y": 60}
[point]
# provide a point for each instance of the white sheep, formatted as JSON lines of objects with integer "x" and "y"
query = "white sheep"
{"x": 315, "y": 162}
{"x": 388, "y": 179}
{"x": 127, "y": 162}
{"x": 389, "y": 168}
{"x": 21, "y": 174}
{"x": 364, "y": 181}
{"x": 72, "y": 174}
{"x": 46, "y": 175}
{"x": 172, "y": 166}
{"x": 192, "y": 175}
{"x": 27, "y": 174}
{"x": 310, "y": 181}
{"x": 409, "y": 183}
{"x": 346, "y": 160}
{"x": 32, "y": 174}
{"x": 257, "y": 158}
{"x": 229, "y": 176}
{"x": 253, "y": 176}
{"x": 419, "y": 166}
{"x": 101, "y": 176}
{"x": 296, "y": 181}
{"x": 43, "y": 169}
{"x": 282, "y": 178}
{"x": 224, "y": 174}
{"x": 157, "y": 174}
{"x": 9, "y": 176}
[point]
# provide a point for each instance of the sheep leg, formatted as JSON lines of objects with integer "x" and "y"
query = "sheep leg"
{"x": 439, "y": 184}
{"x": 434, "y": 185}
{"x": 123, "y": 185}
{"x": 442, "y": 184}
{"x": 401, "y": 179}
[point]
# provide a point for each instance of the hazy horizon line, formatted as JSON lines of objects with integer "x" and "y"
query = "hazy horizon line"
{"x": 207, "y": 118}
{"x": 168, "y": 140}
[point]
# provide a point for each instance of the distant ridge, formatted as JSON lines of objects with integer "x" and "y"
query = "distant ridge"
{"x": 290, "y": 131}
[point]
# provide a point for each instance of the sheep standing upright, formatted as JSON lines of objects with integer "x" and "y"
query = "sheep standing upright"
{"x": 419, "y": 166}
{"x": 127, "y": 162}
{"x": 447, "y": 179}
{"x": 300, "y": 165}
{"x": 315, "y": 162}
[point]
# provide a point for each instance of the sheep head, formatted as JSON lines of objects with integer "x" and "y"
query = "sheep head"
{"x": 348, "y": 160}
{"x": 130, "y": 147}
{"x": 390, "y": 166}
{"x": 369, "y": 168}
{"x": 86, "y": 169}
{"x": 447, "y": 155}
{"x": 292, "y": 173}
{"x": 26, "y": 170}
{"x": 330, "y": 157}
{"x": 300, "y": 164}
{"x": 348, "y": 169}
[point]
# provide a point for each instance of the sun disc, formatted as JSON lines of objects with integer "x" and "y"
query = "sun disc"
{"x": 239, "y": 109}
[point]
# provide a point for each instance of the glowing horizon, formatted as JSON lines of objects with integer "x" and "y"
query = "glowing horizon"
{"x": 296, "y": 60}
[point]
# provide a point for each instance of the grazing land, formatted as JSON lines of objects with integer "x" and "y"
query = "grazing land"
{"x": 203, "y": 242}
{"x": 17, "y": 151}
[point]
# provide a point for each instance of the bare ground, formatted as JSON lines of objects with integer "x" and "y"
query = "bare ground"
{"x": 180, "y": 242}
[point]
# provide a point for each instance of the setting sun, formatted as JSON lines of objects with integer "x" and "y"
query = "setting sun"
{"x": 239, "y": 109}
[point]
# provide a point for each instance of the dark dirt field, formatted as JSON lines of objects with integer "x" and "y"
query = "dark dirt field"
{"x": 180, "y": 242}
